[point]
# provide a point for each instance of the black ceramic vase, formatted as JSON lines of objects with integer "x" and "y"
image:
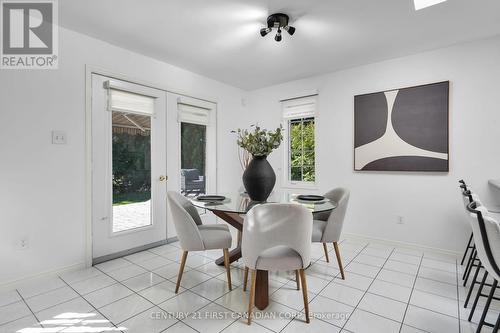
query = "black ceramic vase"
{"x": 259, "y": 178}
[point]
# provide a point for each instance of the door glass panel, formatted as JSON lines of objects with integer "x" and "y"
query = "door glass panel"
{"x": 131, "y": 138}
{"x": 193, "y": 159}
{"x": 301, "y": 150}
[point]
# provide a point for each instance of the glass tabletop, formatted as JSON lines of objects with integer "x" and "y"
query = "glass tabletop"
{"x": 240, "y": 203}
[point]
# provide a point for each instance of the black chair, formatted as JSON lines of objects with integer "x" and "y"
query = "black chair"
{"x": 192, "y": 182}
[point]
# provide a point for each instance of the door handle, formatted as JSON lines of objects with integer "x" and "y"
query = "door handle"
{"x": 163, "y": 178}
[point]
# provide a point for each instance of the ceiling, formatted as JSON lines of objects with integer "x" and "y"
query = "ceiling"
{"x": 220, "y": 38}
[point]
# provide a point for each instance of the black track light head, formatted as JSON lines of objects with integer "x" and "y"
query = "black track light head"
{"x": 265, "y": 31}
{"x": 278, "y": 36}
{"x": 290, "y": 29}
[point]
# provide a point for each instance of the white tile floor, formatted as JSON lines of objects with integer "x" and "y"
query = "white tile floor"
{"x": 386, "y": 290}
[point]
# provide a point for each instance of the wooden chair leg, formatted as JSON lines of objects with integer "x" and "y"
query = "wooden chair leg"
{"x": 245, "y": 278}
{"x": 325, "y": 248}
{"x": 339, "y": 259}
{"x": 297, "y": 279}
{"x": 304, "y": 293}
{"x": 251, "y": 296}
{"x": 181, "y": 270}
{"x": 228, "y": 268}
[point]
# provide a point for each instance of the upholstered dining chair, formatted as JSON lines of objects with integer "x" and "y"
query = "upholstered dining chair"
{"x": 468, "y": 196}
{"x": 327, "y": 226}
{"x": 463, "y": 191}
{"x": 486, "y": 231}
{"x": 194, "y": 235}
{"x": 277, "y": 237}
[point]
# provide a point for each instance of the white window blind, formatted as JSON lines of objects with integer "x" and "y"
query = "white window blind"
{"x": 123, "y": 100}
{"x": 194, "y": 111}
{"x": 303, "y": 107}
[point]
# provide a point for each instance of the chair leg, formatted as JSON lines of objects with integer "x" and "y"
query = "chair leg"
{"x": 469, "y": 262}
{"x": 245, "y": 278}
{"x": 181, "y": 270}
{"x": 467, "y": 249}
{"x": 251, "y": 296}
{"x": 479, "y": 291}
{"x": 297, "y": 279}
{"x": 228, "y": 268}
{"x": 487, "y": 306}
{"x": 470, "y": 268}
{"x": 325, "y": 248}
{"x": 472, "y": 284}
{"x": 339, "y": 259}
{"x": 497, "y": 325}
{"x": 304, "y": 293}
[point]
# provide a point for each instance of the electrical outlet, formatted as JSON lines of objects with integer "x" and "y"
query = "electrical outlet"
{"x": 399, "y": 220}
{"x": 23, "y": 244}
{"x": 58, "y": 137}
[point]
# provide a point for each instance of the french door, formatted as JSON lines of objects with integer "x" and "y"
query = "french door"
{"x": 128, "y": 166}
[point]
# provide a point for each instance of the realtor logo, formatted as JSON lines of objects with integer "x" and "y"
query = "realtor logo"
{"x": 29, "y": 34}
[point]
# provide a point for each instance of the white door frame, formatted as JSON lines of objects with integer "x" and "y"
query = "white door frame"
{"x": 89, "y": 70}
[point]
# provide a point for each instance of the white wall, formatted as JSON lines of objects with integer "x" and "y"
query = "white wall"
{"x": 42, "y": 186}
{"x": 429, "y": 203}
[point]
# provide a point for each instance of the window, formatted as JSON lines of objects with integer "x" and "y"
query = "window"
{"x": 300, "y": 158}
{"x": 131, "y": 175}
{"x": 193, "y": 159}
{"x": 197, "y": 131}
{"x": 131, "y": 157}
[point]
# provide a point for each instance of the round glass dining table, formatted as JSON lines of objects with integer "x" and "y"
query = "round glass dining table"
{"x": 240, "y": 203}
{"x": 232, "y": 211}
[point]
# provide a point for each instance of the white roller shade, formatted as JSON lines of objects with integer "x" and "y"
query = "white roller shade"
{"x": 129, "y": 102}
{"x": 194, "y": 111}
{"x": 130, "y": 98}
{"x": 299, "y": 107}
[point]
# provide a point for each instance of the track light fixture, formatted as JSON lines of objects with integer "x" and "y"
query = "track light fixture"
{"x": 277, "y": 21}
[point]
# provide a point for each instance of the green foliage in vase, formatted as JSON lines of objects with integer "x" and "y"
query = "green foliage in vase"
{"x": 259, "y": 142}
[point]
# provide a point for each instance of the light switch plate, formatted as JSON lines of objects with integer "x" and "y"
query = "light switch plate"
{"x": 58, "y": 137}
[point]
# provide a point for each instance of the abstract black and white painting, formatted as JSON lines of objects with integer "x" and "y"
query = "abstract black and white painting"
{"x": 402, "y": 130}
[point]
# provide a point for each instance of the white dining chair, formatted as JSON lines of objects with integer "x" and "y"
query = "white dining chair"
{"x": 194, "y": 235}
{"x": 470, "y": 246}
{"x": 486, "y": 231}
{"x": 468, "y": 196}
{"x": 277, "y": 237}
{"x": 327, "y": 226}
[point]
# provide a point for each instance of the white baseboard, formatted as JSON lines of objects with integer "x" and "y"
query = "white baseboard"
{"x": 13, "y": 284}
{"x": 407, "y": 245}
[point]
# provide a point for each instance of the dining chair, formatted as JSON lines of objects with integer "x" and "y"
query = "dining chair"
{"x": 470, "y": 246}
{"x": 473, "y": 261}
{"x": 277, "y": 237}
{"x": 463, "y": 187}
{"x": 486, "y": 231}
{"x": 193, "y": 235}
{"x": 327, "y": 226}
{"x": 468, "y": 196}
